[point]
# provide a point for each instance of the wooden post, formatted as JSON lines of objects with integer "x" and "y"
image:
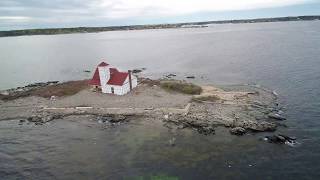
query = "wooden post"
{"x": 130, "y": 79}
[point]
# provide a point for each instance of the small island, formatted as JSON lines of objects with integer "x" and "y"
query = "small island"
{"x": 177, "y": 103}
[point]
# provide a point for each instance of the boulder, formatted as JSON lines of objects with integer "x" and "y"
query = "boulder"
{"x": 276, "y": 116}
{"x": 281, "y": 139}
{"x": 239, "y": 131}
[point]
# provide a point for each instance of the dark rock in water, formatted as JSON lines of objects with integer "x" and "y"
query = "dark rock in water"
{"x": 34, "y": 118}
{"x": 277, "y": 117}
{"x": 239, "y": 131}
{"x": 288, "y": 137}
{"x": 135, "y": 71}
{"x": 281, "y": 139}
{"x": 171, "y": 75}
{"x": 41, "y": 84}
{"x": 117, "y": 118}
{"x": 206, "y": 130}
{"x": 172, "y": 142}
{"x": 275, "y": 139}
{"x": 112, "y": 118}
{"x": 190, "y": 77}
{"x": 43, "y": 118}
{"x": 52, "y": 82}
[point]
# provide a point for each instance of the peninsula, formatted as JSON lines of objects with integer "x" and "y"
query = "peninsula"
{"x": 50, "y": 31}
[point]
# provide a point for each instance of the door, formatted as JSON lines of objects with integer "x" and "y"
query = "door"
{"x": 112, "y": 90}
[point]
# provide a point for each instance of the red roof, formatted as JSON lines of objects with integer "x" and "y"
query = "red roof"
{"x": 95, "y": 79}
{"x": 116, "y": 78}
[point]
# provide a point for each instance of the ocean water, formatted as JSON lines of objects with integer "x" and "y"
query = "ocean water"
{"x": 283, "y": 56}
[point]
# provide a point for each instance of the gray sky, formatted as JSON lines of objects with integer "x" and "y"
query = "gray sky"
{"x": 20, "y": 14}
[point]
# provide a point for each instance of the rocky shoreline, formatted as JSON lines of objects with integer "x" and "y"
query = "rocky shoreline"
{"x": 242, "y": 109}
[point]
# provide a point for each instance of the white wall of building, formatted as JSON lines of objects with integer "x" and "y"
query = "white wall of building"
{"x": 104, "y": 74}
{"x": 122, "y": 90}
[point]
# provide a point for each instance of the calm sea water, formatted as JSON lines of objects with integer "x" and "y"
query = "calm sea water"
{"x": 284, "y": 57}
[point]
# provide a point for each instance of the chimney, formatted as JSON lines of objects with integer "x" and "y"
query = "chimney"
{"x": 130, "y": 79}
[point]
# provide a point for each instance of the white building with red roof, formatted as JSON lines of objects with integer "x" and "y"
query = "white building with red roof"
{"x": 112, "y": 81}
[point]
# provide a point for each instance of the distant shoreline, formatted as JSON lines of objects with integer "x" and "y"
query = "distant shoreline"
{"x": 52, "y": 31}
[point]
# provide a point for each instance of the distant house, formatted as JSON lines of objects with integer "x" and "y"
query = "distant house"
{"x": 112, "y": 81}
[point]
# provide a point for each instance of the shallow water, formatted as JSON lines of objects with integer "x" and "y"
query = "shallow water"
{"x": 281, "y": 56}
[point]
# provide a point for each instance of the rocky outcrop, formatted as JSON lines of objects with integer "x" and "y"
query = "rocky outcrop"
{"x": 281, "y": 139}
{"x": 239, "y": 131}
{"x": 44, "y": 118}
{"x": 258, "y": 126}
{"x": 112, "y": 118}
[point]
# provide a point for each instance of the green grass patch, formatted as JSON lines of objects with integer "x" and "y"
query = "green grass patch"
{"x": 180, "y": 86}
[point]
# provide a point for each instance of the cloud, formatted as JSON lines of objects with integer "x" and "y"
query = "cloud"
{"x": 15, "y": 19}
{"x": 137, "y": 8}
{"x": 82, "y": 11}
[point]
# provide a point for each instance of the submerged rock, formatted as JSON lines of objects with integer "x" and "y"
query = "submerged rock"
{"x": 172, "y": 141}
{"x": 239, "y": 131}
{"x": 136, "y": 71}
{"x": 276, "y": 116}
{"x": 206, "y": 130}
{"x": 190, "y": 77}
